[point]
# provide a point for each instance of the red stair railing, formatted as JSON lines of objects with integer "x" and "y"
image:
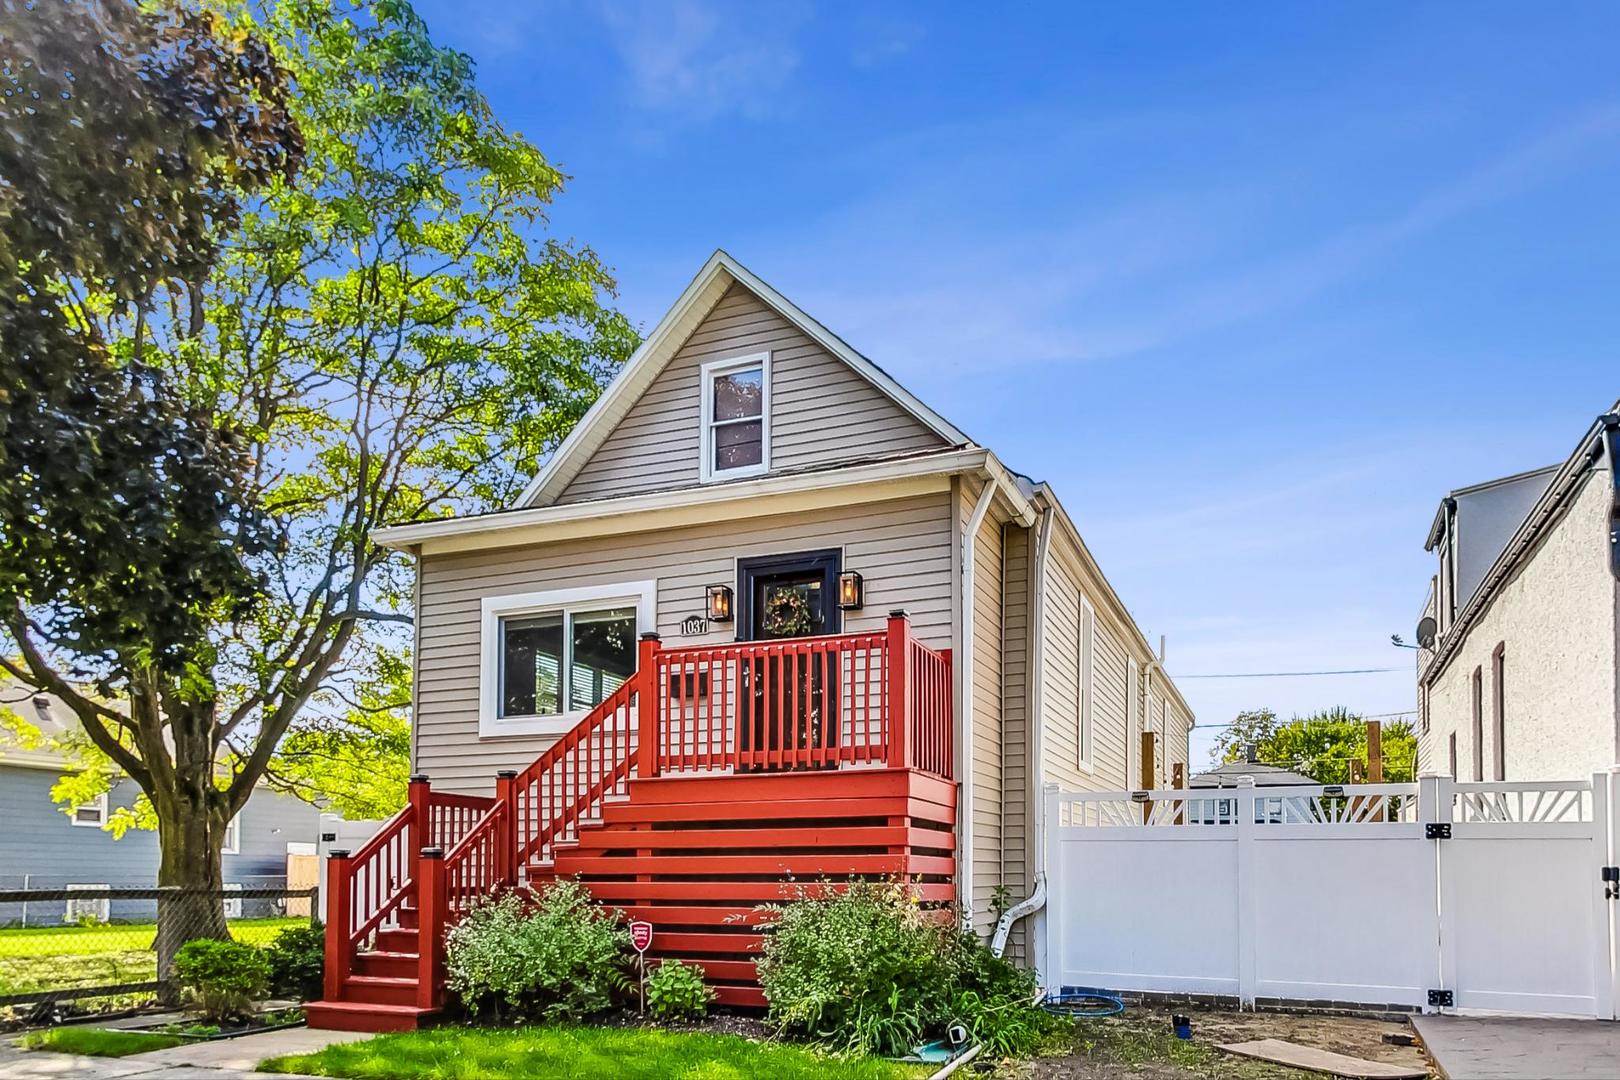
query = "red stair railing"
{"x": 799, "y": 703}
{"x": 570, "y": 780}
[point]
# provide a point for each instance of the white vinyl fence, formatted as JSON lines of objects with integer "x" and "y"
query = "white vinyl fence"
{"x": 1435, "y": 895}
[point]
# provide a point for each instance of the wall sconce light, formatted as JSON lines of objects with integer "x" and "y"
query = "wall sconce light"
{"x": 719, "y": 603}
{"x": 851, "y": 591}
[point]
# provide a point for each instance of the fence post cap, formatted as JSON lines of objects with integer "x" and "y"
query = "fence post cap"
{"x": 899, "y": 613}
{"x": 650, "y": 635}
{"x": 432, "y": 853}
{"x": 506, "y": 774}
{"x": 338, "y": 853}
{"x": 419, "y": 778}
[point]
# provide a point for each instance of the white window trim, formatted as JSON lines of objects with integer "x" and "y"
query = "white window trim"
{"x": 1085, "y": 676}
{"x": 232, "y": 844}
{"x": 232, "y": 906}
{"x": 99, "y": 803}
{"x": 491, "y": 725}
{"x": 707, "y": 473}
{"x": 103, "y": 911}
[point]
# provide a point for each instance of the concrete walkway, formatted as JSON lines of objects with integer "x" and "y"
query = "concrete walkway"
{"x": 219, "y": 1059}
{"x": 1521, "y": 1048}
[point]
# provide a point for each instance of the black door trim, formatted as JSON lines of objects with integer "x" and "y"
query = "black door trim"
{"x": 827, "y": 560}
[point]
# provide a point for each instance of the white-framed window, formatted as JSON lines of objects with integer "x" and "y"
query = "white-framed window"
{"x": 1084, "y": 665}
{"x": 548, "y": 657}
{"x": 232, "y": 844}
{"x": 233, "y": 905}
{"x": 736, "y": 417}
{"x": 77, "y": 911}
{"x": 91, "y": 815}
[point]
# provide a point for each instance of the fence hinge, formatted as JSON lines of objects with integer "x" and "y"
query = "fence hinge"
{"x": 1440, "y": 999}
{"x": 1436, "y": 830}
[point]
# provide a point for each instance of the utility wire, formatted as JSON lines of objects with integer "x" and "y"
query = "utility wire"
{"x": 1358, "y": 716}
{"x": 1290, "y": 674}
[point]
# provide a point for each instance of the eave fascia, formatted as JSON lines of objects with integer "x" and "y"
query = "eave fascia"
{"x": 878, "y": 481}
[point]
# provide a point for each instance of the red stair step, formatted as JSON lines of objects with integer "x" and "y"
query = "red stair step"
{"x": 379, "y": 990}
{"x": 363, "y": 1016}
{"x": 400, "y": 941}
{"x": 393, "y": 965}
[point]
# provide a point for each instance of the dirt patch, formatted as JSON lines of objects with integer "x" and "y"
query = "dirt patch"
{"x": 1141, "y": 1045}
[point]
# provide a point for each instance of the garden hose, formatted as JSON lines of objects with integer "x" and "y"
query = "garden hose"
{"x": 1084, "y": 1001}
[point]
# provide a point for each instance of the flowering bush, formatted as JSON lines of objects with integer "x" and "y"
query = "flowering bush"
{"x": 554, "y": 955}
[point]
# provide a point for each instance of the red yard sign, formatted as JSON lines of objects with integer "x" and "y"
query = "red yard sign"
{"x": 641, "y": 935}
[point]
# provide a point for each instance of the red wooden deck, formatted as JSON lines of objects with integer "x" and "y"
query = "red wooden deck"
{"x": 716, "y": 780}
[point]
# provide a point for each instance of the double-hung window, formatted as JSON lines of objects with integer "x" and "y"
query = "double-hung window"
{"x": 736, "y": 417}
{"x": 550, "y": 657}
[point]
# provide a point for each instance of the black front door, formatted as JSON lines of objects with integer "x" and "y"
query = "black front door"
{"x": 788, "y": 700}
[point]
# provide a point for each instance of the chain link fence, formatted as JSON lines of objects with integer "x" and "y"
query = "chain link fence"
{"x": 106, "y": 948}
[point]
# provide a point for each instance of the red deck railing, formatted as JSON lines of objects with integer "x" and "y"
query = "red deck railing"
{"x": 878, "y": 698}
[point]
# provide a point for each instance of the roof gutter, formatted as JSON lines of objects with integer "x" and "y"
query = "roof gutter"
{"x": 661, "y": 509}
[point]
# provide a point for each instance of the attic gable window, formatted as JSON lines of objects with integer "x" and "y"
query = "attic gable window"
{"x": 736, "y": 417}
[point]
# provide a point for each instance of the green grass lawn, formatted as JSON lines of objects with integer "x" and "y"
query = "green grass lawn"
{"x": 97, "y": 1042}
{"x": 567, "y": 1053}
{"x": 61, "y": 957}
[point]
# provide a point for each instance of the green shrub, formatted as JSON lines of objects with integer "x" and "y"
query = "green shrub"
{"x": 224, "y": 979}
{"x": 676, "y": 991}
{"x": 298, "y": 962}
{"x": 868, "y": 971}
{"x": 554, "y": 955}
{"x": 995, "y": 1001}
{"x": 864, "y": 970}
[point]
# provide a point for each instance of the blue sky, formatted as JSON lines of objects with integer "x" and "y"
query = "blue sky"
{"x": 1252, "y": 287}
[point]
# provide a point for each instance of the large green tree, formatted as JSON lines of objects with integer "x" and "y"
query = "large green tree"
{"x": 396, "y": 338}
{"x": 1320, "y": 746}
{"x": 129, "y": 135}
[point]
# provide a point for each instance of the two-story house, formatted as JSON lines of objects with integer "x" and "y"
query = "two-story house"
{"x": 1519, "y": 662}
{"x": 764, "y": 620}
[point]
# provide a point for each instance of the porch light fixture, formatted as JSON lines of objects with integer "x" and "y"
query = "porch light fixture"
{"x": 719, "y": 603}
{"x": 1333, "y": 791}
{"x": 851, "y": 591}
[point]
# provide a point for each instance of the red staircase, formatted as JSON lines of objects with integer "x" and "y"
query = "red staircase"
{"x": 715, "y": 780}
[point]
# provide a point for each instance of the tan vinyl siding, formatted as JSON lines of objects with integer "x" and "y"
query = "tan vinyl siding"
{"x": 1017, "y": 800}
{"x": 902, "y": 547}
{"x": 987, "y": 734}
{"x": 1107, "y": 769}
{"x": 821, "y": 410}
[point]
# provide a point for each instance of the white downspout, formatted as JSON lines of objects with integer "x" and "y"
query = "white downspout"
{"x": 970, "y": 533}
{"x": 1037, "y": 748}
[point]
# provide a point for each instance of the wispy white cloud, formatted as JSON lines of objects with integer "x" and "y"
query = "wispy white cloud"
{"x": 697, "y": 59}
{"x": 926, "y": 283}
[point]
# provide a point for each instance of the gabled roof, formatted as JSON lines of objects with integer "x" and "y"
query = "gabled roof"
{"x": 1226, "y": 776}
{"x": 661, "y": 345}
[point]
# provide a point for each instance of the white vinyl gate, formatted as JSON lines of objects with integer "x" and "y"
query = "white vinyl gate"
{"x": 1436, "y": 895}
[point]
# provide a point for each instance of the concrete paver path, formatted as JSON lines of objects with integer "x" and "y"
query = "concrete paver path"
{"x": 1521, "y": 1048}
{"x": 219, "y": 1059}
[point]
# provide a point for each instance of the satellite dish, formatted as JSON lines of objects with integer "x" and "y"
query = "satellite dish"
{"x": 1425, "y": 632}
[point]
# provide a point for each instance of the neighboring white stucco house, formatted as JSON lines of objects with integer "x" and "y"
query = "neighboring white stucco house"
{"x": 1522, "y": 678}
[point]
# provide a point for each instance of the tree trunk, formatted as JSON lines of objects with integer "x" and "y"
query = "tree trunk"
{"x": 189, "y": 839}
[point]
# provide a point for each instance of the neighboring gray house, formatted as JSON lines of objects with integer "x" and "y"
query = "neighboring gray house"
{"x": 1521, "y": 679}
{"x": 41, "y": 847}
